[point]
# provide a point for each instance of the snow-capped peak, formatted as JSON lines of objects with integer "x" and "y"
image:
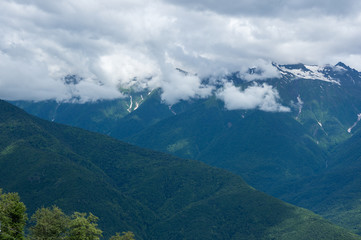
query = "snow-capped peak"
{"x": 312, "y": 72}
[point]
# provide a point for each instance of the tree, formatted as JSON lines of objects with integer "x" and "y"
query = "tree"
{"x": 50, "y": 223}
{"x": 125, "y": 236}
{"x": 12, "y": 216}
{"x": 84, "y": 227}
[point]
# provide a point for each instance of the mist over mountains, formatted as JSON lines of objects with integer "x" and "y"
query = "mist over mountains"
{"x": 278, "y": 150}
{"x": 264, "y": 93}
{"x": 140, "y": 44}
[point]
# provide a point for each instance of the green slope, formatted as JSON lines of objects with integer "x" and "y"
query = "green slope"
{"x": 148, "y": 113}
{"x": 155, "y": 195}
{"x": 188, "y": 133}
{"x": 328, "y": 110}
{"x": 119, "y": 118}
{"x": 46, "y": 171}
{"x": 267, "y": 149}
{"x": 99, "y": 116}
{"x": 335, "y": 193}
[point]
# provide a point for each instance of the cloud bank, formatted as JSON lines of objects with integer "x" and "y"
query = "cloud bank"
{"x": 139, "y": 44}
{"x": 263, "y": 97}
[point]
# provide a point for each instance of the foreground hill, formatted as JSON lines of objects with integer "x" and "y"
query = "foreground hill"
{"x": 152, "y": 194}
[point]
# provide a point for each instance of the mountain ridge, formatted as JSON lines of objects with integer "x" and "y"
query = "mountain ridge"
{"x": 323, "y": 115}
{"x": 152, "y": 194}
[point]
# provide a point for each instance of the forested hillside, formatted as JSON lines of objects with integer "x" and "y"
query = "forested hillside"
{"x": 155, "y": 195}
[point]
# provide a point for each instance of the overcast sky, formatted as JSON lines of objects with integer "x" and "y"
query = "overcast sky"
{"x": 123, "y": 43}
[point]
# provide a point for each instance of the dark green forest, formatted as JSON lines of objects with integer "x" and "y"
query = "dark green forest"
{"x": 153, "y": 195}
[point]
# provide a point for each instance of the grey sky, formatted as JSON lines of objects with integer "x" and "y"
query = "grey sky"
{"x": 273, "y": 8}
{"x": 112, "y": 43}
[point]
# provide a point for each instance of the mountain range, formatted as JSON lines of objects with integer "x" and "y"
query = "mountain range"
{"x": 307, "y": 155}
{"x": 155, "y": 195}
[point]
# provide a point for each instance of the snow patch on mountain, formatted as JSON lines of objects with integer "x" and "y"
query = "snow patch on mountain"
{"x": 131, "y": 104}
{"x": 136, "y": 106}
{"x": 170, "y": 109}
{"x": 355, "y": 123}
{"x": 55, "y": 111}
{"x": 312, "y": 72}
{"x": 300, "y": 106}
{"x": 321, "y": 126}
{"x": 340, "y": 68}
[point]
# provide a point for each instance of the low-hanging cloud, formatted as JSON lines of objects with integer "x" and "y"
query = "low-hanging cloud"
{"x": 139, "y": 44}
{"x": 179, "y": 86}
{"x": 263, "y": 97}
{"x": 261, "y": 70}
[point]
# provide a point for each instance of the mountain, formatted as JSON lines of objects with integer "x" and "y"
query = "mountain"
{"x": 326, "y": 100}
{"x": 153, "y": 194}
{"x": 119, "y": 117}
{"x": 272, "y": 151}
{"x": 267, "y": 149}
{"x": 336, "y": 192}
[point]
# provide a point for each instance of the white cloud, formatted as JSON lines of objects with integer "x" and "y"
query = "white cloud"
{"x": 261, "y": 70}
{"x": 263, "y": 97}
{"x": 31, "y": 81}
{"x": 135, "y": 43}
{"x": 127, "y": 69}
{"x": 178, "y": 86}
{"x": 90, "y": 91}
